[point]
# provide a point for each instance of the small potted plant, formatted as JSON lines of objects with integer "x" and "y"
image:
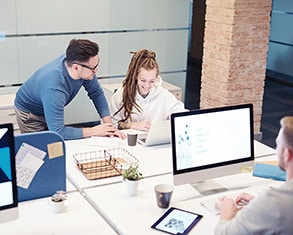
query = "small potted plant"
{"x": 132, "y": 173}
{"x": 59, "y": 196}
{"x": 57, "y": 201}
{"x": 131, "y": 177}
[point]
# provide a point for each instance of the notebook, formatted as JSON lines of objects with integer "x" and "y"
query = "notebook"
{"x": 159, "y": 133}
{"x": 269, "y": 171}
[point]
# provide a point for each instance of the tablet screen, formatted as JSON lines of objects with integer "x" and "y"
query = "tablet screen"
{"x": 177, "y": 221}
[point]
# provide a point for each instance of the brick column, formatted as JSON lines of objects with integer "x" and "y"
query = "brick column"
{"x": 235, "y": 51}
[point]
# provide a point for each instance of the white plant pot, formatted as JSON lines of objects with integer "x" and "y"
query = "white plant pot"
{"x": 132, "y": 187}
{"x": 56, "y": 207}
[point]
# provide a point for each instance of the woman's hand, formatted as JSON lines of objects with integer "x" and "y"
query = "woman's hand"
{"x": 141, "y": 126}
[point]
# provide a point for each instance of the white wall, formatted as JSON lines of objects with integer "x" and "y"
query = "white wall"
{"x": 34, "y": 32}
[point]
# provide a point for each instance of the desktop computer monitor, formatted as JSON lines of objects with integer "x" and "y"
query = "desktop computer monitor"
{"x": 211, "y": 143}
{"x": 8, "y": 186}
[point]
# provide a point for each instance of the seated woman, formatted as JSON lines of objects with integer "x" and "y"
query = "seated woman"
{"x": 142, "y": 100}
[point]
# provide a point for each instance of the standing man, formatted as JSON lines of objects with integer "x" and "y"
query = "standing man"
{"x": 270, "y": 212}
{"x": 40, "y": 101}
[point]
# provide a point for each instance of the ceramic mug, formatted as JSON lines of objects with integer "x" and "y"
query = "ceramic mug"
{"x": 163, "y": 195}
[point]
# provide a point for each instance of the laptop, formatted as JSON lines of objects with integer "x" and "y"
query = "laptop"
{"x": 159, "y": 133}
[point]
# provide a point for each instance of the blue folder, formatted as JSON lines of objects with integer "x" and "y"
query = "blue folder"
{"x": 52, "y": 174}
{"x": 269, "y": 171}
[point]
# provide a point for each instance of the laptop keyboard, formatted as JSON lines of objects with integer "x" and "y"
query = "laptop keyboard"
{"x": 142, "y": 139}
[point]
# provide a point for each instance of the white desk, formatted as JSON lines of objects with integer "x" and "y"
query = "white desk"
{"x": 70, "y": 187}
{"x": 36, "y": 218}
{"x": 153, "y": 161}
{"x": 262, "y": 150}
{"x": 131, "y": 215}
{"x": 7, "y": 101}
{"x": 7, "y": 113}
{"x": 126, "y": 215}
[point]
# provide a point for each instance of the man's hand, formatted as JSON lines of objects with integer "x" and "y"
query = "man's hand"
{"x": 104, "y": 129}
{"x": 227, "y": 208}
{"x": 242, "y": 200}
{"x": 119, "y": 134}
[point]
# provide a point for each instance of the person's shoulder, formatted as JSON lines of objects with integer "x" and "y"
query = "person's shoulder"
{"x": 54, "y": 71}
{"x": 57, "y": 60}
{"x": 55, "y": 66}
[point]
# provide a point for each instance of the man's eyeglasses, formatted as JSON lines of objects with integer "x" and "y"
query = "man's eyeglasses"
{"x": 88, "y": 67}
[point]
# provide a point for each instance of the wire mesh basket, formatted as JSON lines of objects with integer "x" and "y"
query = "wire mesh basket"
{"x": 104, "y": 163}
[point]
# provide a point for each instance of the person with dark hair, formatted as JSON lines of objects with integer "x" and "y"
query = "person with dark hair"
{"x": 40, "y": 101}
{"x": 142, "y": 99}
{"x": 271, "y": 211}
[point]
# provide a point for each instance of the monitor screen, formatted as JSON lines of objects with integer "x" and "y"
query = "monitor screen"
{"x": 211, "y": 143}
{"x": 8, "y": 187}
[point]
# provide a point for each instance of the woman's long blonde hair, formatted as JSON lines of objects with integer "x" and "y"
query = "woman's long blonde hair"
{"x": 141, "y": 59}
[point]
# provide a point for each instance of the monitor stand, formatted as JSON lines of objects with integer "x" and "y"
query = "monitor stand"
{"x": 209, "y": 187}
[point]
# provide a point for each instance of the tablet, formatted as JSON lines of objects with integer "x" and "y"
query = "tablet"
{"x": 177, "y": 221}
